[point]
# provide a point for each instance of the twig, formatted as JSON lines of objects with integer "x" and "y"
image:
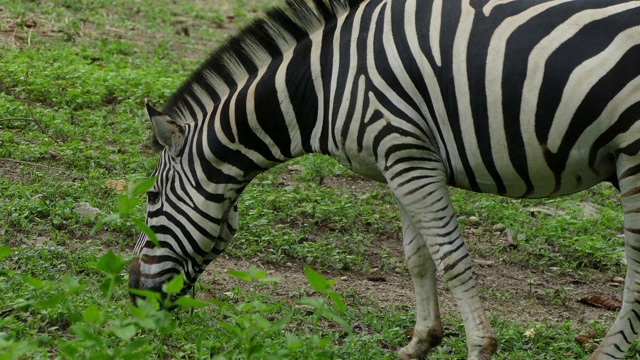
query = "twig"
{"x": 34, "y": 121}
{"x": 29, "y": 163}
{"x": 32, "y": 118}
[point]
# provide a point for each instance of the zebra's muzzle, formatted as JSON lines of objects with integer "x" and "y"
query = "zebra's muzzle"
{"x": 134, "y": 279}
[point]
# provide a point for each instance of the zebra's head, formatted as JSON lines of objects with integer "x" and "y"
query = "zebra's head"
{"x": 193, "y": 217}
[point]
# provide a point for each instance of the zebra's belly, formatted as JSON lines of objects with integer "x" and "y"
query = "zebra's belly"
{"x": 539, "y": 180}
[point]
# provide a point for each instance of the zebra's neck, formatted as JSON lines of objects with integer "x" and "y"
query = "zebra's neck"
{"x": 255, "y": 95}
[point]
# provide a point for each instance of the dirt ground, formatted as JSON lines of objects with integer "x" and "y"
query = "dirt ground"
{"x": 509, "y": 290}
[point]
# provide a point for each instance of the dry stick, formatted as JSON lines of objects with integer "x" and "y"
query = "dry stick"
{"x": 42, "y": 130}
{"x": 32, "y": 118}
{"x": 29, "y": 163}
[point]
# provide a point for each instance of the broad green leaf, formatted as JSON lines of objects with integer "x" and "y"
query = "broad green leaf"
{"x": 174, "y": 285}
{"x": 35, "y": 283}
{"x": 106, "y": 286}
{"x": 314, "y": 302}
{"x": 189, "y": 302}
{"x": 140, "y": 187}
{"x": 123, "y": 332}
{"x": 293, "y": 342}
{"x": 102, "y": 221}
{"x": 256, "y": 274}
{"x": 340, "y": 321}
{"x": 71, "y": 284}
{"x": 338, "y": 301}
{"x": 142, "y": 226}
{"x": 242, "y": 275}
{"x": 123, "y": 205}
{"x": 280, "y": 323}
{"x": 51, "y": 301}
{"x": 5, "y": 251}
{"x": 110, "y": 263}
{"x": 92, "y": 315}
{"x": 317, "y": 281}
{"x": 221, "y": 304}
{"x": 148, "y": 294}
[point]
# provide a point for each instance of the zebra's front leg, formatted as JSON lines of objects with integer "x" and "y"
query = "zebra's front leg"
{"x": 420, "y": 187}
{"x": 627, "y": 325}
{"x": 428, "y": 330}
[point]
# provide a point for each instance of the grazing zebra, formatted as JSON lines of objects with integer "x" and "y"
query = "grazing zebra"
{"x": 518, "y": 98}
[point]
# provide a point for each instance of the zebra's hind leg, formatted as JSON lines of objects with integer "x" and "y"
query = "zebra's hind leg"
{"x": 428, "y": 330}
{"x": 627, "y": 325}
{"x": 420, "y": 186}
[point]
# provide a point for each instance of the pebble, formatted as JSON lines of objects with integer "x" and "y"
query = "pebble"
{"x": 472, "y": 220}
{"x": 85, "y": 209}
{"x": 618, "y": 279}
{"x": 498, "y": 227}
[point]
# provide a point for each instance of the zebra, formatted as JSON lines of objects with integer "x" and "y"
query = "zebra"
{"x": 524, "y": 99}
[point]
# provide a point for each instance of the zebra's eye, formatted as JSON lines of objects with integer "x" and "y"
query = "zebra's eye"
{"x": 153, "y": 197}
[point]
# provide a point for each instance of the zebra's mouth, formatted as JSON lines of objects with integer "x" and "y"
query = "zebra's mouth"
{"x": 134, "y": 279}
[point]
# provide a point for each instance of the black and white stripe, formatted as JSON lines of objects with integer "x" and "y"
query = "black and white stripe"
{"x": 518, "y": 98}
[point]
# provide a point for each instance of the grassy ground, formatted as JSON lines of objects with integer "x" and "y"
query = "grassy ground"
{"x": 74, "y": 77}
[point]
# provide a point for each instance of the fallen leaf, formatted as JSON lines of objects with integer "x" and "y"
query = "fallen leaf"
{"x": 120, "y": 186}
{"x": 586, "y": 339}
{"x": 55, "y": 156}
{"x": 408, "y": 335}
{"x": 602, "y": 302}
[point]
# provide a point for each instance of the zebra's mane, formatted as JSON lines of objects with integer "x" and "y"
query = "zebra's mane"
{"x": 250, "y": 49}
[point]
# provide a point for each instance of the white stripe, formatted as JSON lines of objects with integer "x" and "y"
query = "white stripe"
{"x": 461, "y": 82}
{"x": 434, "y": 27}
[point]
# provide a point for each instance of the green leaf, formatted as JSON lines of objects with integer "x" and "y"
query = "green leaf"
{"x": 338, "y": 301}
{"x": 142, "y": 226}
{"x": 174, "y": 286}
{"x": 102, "y": 221}
{"x": 149, "y": 294}
{"x": 106, "y": 286}
{"x": 256, "y": 274}
{"x": 123, "y": 206}
{"x": 124, "y": 332}
{"x": 314, "y": 302}
{"x": 5, "y": 251}
{"x": 92, "y": 315}
{"x": 51, "y": 301}
{"x": 242, "y": 275}
{"x": 280, "y": 323}
{"x": 35, "y": 283}
{"x": 71, "y": 285}
{"x": 262, "y": 322}
{"x": 293, "y": 342}
{"x": 110, "y": 263}
{"x": 233, "y": 330}
{"x": 140, "y": 187}
{"x": 317, "y": 281}
{"x": 186, "y": 302}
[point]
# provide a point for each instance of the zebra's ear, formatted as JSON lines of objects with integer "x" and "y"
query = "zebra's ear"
{"x": 166, "y": 131}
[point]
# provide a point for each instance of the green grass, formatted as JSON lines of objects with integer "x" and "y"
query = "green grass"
{"x": 82, "y": 74}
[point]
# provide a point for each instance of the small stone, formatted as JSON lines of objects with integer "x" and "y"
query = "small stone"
{"x": 472, "y": 220}
{"x": 85, "y": 209}
{"x": 498, "y": 227}
{"x": 484, "y": 263}
{"x": 344, "y": 278}
{"x": 618, "y": 279}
